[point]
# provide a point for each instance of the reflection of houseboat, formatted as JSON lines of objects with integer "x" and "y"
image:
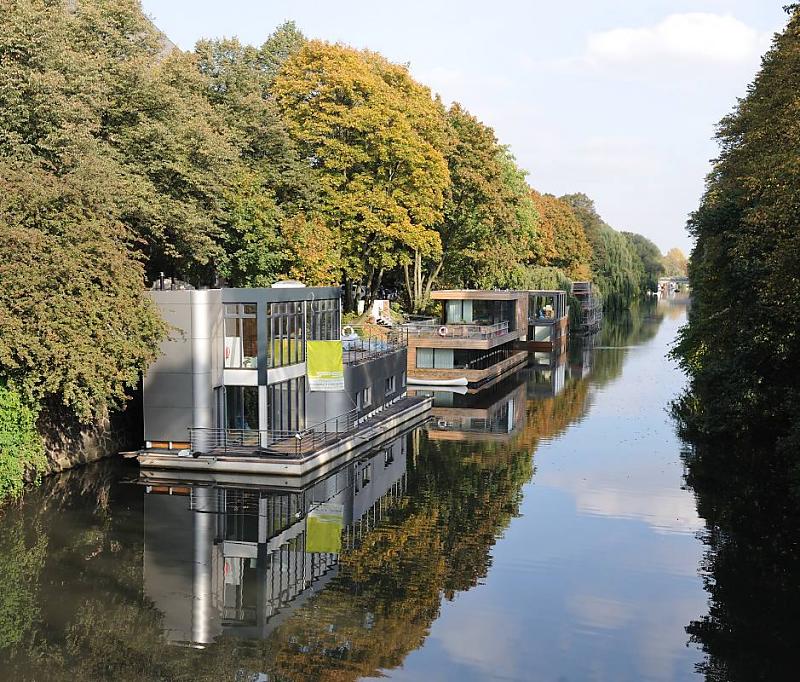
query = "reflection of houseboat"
{"x": 591, "y": 306}
{"x": 222, "y": 559}
{"x": 493, "y": 414}
{"x": 472, "y": 343}
{"x": 547, "y": 374}
{"x": 231, "y": 391}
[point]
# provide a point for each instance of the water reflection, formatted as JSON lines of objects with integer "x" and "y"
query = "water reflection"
{"x": 226, "y": 560}
{"x": 391, "y": 565}
{"x": 750, "y": 500}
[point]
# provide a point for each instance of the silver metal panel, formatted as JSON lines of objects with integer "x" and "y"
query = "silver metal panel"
{"x": 279, "y": 374}
{"x": 168, "y": 423}
{"x": 240, "y": 377}
{"x": 168, "y": 389}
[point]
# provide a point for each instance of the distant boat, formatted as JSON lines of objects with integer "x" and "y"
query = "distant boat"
{"x": 460, "y": 381}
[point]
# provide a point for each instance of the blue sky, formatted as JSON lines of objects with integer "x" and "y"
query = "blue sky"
{"x": 615, "y": 98}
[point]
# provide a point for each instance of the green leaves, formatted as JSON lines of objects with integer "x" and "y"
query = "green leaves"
{"x": 741, "y": 346}
{"x": 372, "y": 137}
{"x": 21, "y": 448}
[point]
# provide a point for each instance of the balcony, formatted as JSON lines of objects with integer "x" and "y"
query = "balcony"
{"x": 433, "y": 329}
{"x": 288, "y": 444}
{"x": 361, "y": 343}
{"x": 299, "y": 445}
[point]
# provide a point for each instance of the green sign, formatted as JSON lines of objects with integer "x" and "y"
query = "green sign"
{"x": 325, "y": 366}
{"x": 324, "y": 529}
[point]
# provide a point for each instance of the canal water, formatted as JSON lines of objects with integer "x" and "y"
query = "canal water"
{"x": 540, "y": 530}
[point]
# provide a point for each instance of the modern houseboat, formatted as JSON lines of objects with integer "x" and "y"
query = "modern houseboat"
{"x": 591, "y": 315}
{"x": 260, "y": 380}
{"x": 472, "y": 343}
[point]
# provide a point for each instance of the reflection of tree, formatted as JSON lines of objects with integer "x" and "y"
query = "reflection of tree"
{"x": 750, "y": 501}
{"x": 85, "y": 615}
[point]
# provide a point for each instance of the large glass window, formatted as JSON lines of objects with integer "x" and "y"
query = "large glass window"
{"x": 241, "y": 407}
{"x": 285, "y": 334}
{"x": 241, "y": 336}
{"x": 484, "y": 313}
{"x": 457, "y": 358}
{"x": 286, "y": 405}
{"x": 323, "y": 320}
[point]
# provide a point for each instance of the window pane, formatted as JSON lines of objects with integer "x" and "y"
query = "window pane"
{"x": 425, "y": 358}
{"x": 242, "y": 407}
{"x": 250, "y": 343}
{"x": 233, "y": 343}
{"x": 453, "y": 313}
{"x": 249, "y": 308}
{"x": 443, "y": 358}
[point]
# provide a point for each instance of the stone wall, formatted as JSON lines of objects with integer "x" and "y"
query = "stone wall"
{"x": 69, "y": 444}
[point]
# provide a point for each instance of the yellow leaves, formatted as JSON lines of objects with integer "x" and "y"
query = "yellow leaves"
{"x": 372, "y": 135}
{"x": 313, "y": 251}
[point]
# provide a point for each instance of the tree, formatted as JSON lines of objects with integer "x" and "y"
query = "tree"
{"x": 372, "y": 136}
{"x": 675, "y": 264}
{"x": 741, "y": 347}
{"x": 313, "y": 251}
{"x": 277, "y": 184}
{"x": 75, "y": 327}
{"x": 651, "y": 263}
{"x": 613, "y": 260}
{"x": 564, "y": 240}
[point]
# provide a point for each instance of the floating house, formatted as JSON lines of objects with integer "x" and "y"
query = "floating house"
{"x": 548, "y": 321}
{"x": 591, "y": 316}
{"x": 261, "y": 380}
{"x": 483, "y": 335}
{"x": 240, "y": 556}
{"x": 472, "y": 343}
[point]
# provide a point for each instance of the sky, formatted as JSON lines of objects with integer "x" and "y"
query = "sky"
{"x": 615, "y": 98}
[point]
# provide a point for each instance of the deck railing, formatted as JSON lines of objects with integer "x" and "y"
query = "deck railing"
{"x": 433, "y": 328}
{"x": 271, "y": 443}
{"x": 371, "y": 341}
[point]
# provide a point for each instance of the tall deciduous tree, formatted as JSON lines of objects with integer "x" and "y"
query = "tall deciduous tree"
{"x": 564, "y": 243}
{"x": 614, "y": 264}
{"x": 741, "y": 346}
{"x": 372, "y": 136}
{"x": 675, "y": 263}
{"x": 651, "y": 265}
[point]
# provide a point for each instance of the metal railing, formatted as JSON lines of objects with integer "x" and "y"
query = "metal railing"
{"x": 271, "y": 443}
{"x": 371, "y": 341}
{"x": 456, "y": 331}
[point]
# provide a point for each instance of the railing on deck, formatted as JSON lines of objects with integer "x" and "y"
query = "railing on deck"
{"x": 271, "y": 443}
{"x": 371, "y": 341}
{"x": 430, "y": 328}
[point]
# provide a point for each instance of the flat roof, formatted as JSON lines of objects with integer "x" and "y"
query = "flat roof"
{"x": 256, "y": 294}
{"x": 476, "y": 294}
{"x": 278, "y": 294}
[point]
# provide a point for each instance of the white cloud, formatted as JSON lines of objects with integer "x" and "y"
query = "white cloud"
{"x": 692, "y": 37}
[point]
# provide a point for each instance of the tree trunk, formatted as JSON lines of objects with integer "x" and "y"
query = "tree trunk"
{"x": 432, "y": 278}
{"x": 375, "y": 280}
{"x": 348, "y": 295}
{"x": 409, "y": 292}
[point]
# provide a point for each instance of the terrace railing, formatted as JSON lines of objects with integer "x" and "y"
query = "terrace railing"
{"x": 432, "y": 328}
{"x": 271, "y": 443}
{"x": 371, "y": 341}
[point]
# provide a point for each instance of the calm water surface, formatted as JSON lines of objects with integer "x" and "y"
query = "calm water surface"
{"x": 537, "y": 531}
